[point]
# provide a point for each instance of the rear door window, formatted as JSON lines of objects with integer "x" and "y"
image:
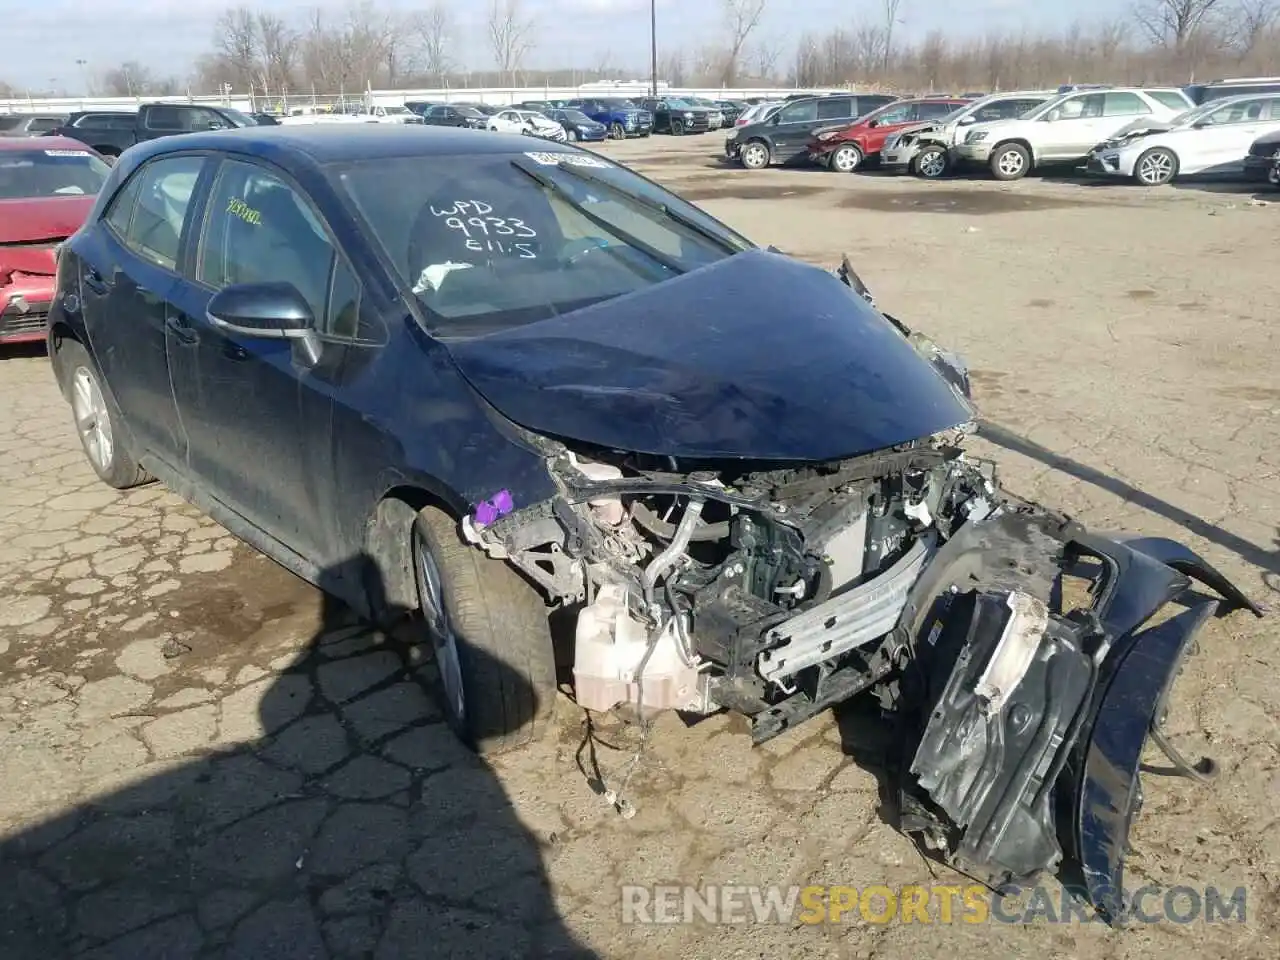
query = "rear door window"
{"x": 833, "y": 108}
{"x": 165, "y": 187}
{"x": 1124, "y": 105}
{"x": 804, "y": 112}
{"x": 934, "y": 111}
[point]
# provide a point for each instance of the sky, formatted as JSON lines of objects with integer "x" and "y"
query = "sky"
{"x": 45, "y": 38}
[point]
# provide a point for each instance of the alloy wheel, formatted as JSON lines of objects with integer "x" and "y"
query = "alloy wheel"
{"x": 846, "y": 159}
{"x": 1010, "y": 163}
{"x": 93, "y": 422}
{"x": 932, "y": 164}
{"x": 754, "y": 156}
{"x": 443, "y": 638}
{"x": 1155, "y": 168}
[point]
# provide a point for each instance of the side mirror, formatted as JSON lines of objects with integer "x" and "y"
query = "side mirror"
{"x": 965, "y": 121}
{"x": 1052, "y": 116}
{"x": 270, "y": 310}
{"x": 1200, "y": 124}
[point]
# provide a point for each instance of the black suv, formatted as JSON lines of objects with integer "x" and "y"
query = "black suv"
{"x": 782, "y": 137}
{"x": 676, "y": 116}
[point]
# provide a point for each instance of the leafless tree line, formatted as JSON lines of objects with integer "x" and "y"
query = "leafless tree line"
{"x": 361, "y": 44}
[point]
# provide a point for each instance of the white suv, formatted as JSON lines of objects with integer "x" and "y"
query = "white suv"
{"x": 1066, "y": 128}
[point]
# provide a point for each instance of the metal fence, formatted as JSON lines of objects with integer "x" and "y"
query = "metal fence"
{"x": 499, "y": 96}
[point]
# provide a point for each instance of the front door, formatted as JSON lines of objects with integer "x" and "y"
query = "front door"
{"x": 256, "y": 412}
{"x": 791, "y": 128}
{"x": 1228, "y": 133}
{"x": 1076, "y": 126}
{"x": 128, "y": 279}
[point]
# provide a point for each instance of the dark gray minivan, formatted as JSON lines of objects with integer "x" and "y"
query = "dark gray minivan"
{"x": 781, "y": 138}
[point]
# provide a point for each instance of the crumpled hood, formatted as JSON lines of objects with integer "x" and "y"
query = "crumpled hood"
{"x": 1139, "y": 128}
{"x": 42, "y": 218}
{"x": 757, "y": 356}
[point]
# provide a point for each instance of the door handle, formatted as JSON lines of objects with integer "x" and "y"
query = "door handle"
{"x": 95, "y": 280}
{"x": 181, "y": 330}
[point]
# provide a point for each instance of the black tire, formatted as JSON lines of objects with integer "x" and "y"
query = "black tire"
{"x": 120, "y": 469}
{"x": 573, "y": 135}
{"x": 677, "y": 128}
{"x": 755, "y": 155}
{"x": 935, "y": 165}
{"x": 502, "y": 638}
{"x": 1010, "y": 161}
{"x": 617, "y": 131}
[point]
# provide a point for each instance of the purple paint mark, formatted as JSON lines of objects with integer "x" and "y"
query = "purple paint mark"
{"x": 490, "y": 511}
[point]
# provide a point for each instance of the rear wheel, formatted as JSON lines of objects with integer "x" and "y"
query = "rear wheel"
{"x": 98, "y": 422}
{"x": 1156, "y": 167}
{"x": 573, "y": 135}
{"x": 1010, "y": 161}
{"x": 846, "y": 158}
{"x": 488, "y": 627}
{"x": 931, "y": 163}
{"x": 754, "y": 155}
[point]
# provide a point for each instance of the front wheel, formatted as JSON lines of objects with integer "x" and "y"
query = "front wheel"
{"x": 846, "y": 158}
{"x": 1156, "y": 167}
{"x": 617, "y": 131}
{"x": 1010, "y": 161}
{"x": 931, "y": 163}
{"x": 488, "y": 627}
{"x": 98, "y": 422}
{"x": 754, "y": 155}
{"x": 573, "y": 136}
{"x": 677, "y": 128}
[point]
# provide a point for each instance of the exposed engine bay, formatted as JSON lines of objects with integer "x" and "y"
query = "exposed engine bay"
{"x": 1013, "y": 650}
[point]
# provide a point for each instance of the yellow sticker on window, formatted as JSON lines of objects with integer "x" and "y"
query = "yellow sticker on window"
{"x": 238, "y": 208}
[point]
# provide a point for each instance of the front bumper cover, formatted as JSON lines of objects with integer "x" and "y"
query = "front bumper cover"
{"x": 1049, "y": 777}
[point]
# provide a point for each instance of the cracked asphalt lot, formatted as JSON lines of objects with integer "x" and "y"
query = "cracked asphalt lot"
{"x": 201, "y": 757}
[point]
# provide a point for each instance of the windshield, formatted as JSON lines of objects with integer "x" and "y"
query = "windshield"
{"x": 954, "y": 115}
{"x": 469, "y": 112}
{"x": 619, "y": 104}
{"x": 393, "y": 111}
{"x": 681, "y": 104}
{"x": 238, "y": 118}
{"x": 50, "y": 173}
{"x": 575, "y": 116}
{"x": 504, "y": 239}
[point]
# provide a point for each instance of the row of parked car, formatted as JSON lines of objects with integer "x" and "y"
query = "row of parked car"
{"x": 1150, "y": 135}
{"x": 588, "y": 119}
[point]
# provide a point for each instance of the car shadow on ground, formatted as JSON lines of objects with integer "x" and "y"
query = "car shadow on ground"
{"x": 1267, "y": 560}
{"x": 347, "y": 821}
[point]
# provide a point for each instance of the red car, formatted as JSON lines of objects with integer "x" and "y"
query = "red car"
{"x": 47, "y": 187}
{"x": 844, "y": 149}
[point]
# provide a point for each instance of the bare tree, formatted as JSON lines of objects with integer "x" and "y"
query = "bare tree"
{"x": 510, "y": 35}
{"x": 1251, "y": 21}
{"x": 433, "y": 28}
{"x": 767, "y": 52}
{"x": 1172, "y": 23}
{"x": 891, "y": 10}
{"x": 741, "y": 19}
{"x": 277, "y": 53}
{"x": 130, "y": 79}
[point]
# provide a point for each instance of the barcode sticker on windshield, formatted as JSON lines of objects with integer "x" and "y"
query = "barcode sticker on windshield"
{"x": 66, "y": 153}
{"x": 571, "y": 159}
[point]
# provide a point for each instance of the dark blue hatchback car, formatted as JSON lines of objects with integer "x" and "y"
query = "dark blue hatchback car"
{"x": 476, "y": 387}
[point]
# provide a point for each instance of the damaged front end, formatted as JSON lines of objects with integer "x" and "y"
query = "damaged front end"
{"x": 1019, "y": 655}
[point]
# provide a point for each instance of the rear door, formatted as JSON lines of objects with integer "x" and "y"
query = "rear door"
{"x": 129, "y": 277}
{"x": 257, "y": 418}
{"x": 1076, "y": 126}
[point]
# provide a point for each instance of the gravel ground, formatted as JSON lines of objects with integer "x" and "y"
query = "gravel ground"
{"x": 200, "y": 756}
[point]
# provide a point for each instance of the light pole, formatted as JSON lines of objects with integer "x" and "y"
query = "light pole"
{"x": 653, "y": 48}
{"x": 84, "y": 75}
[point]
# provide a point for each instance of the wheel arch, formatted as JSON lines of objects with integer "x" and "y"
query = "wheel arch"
{"x": 389, "y": 587}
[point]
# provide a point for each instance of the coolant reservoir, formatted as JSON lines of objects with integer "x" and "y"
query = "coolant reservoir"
{"x": 608, "y": 510}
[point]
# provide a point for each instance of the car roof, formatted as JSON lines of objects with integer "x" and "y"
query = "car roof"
{"x": 325, "y": 143}
{"x": 43, "y": 143}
